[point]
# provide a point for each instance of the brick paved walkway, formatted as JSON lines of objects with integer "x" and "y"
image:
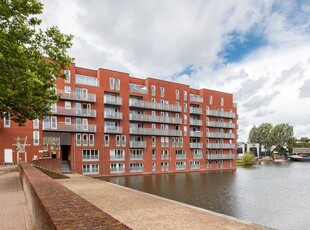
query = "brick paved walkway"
{"x": 14, "y": 213}
{"x": 143, "y": 211}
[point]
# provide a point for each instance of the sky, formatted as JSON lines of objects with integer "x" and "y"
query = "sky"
{"x": 257, "y": 50}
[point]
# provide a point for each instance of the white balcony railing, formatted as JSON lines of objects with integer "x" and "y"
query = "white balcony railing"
{"x": 195, "y": 166}
{"x": 117, "y": 157}
{"x": 195, "y": 145}
{"x": 195, "y": 98}
{"x": 113, "y": 115}
{"x": 155, "y": 132}
{"x": 220, "y": 156}
{"x": 195, "y": 110}
{"x": 180, "y": 167}
{"x": 217, "y": 113}
{"x": 180, "y": 156}
{"x": 111, "y": 99}
{"x": 220, "y": 135}
{"x": 195, "y": 122}
{"x": 220, "y": 124}
{"x": 113, "y": 129}
{"x": 137, "y": 144}
{"x": 89, "y": 97}
{"x": 138, "y": 88}
{"x": 159, "y": 119}
{"x": 195, "y": 134}
{"x": 220, "y": 146}
{"x": 136, "y": 157}
{"x": 154, "y": 105}
{"x": 75, "y": 112}
{"x": 62, "y": 127}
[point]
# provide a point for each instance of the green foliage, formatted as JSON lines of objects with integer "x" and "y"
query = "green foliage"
{"x": 248, "y": 158}
{"x": 253, "y": 138}
{"x": 30, "y": 58}
{"x": 261, "y": 135}
{"x": 303, "y": 142}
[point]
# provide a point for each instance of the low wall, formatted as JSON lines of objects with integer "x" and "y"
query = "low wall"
{"x": 52, "y": 164}
{"x": 53, "y": 206}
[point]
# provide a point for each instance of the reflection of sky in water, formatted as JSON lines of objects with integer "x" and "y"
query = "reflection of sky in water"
{"x": 274, "y": 195}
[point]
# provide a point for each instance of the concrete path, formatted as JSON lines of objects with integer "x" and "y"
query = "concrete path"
{"x": 14, "y": 213}
{"x": 143, "y": 211}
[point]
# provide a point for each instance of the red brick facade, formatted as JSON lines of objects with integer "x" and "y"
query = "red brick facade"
{"x": 108, "y": 123}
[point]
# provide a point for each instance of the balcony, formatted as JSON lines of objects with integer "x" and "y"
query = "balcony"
{"x": 113, "y": 115}
{"x": 220, "y": 135}
{"x": 180, "y": 156}
{"x": 159, "y": 119}
{"x": 155, "y": 132}
{"x": 117, "y": 157}
{"x": 112, "y": 100}
{"x": 220, "y": 124}
{"x": 180, "y": 167}
{"x": 138, "y": 89}
{"x": 113, "y": 129}
{"x": 74, "y": 96}
{"x": 195, "y": 122}
{"x": 195, "y": 134}
{"x": 195, "y": 145}
{"x": 195, "y": 98}
{"x": 62, "y": 127}
{"x": 220, "y": 156}
{"x": 75, "y": 112}
{"x": 138, "y": 144}
{"x": 195, "y": 110}
{"x": 136, "y": 157}
{"x": 197, "y": 155}
{"x": 220, "y": 146}
{"x": 216, "y": 113}
{"x": 154, "y": 105}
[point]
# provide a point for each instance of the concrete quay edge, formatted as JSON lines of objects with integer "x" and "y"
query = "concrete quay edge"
{"x": 141, "y": 210}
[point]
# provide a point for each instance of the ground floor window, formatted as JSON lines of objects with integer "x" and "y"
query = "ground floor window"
{"x": 179, "y": 165}
{"x": 117, "y": 168}
{"x": 136, "y": 167}
{"x": 90, "y": 169}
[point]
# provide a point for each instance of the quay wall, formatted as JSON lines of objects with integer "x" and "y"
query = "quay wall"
{"x": 53, "y": 206}
{"x": 52, "y": 164}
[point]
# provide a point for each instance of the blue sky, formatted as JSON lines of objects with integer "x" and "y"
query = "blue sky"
{"x": 257, "y": 50}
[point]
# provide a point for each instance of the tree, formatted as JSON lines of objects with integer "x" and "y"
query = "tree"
{"x": 248, "y": 158}
{"x": 282, "y": 136}
{"x": 30, "y": 58}
{"x": 253, "y": 135}
{"x": 261, "y": 135}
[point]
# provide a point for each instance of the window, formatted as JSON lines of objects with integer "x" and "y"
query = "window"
{"x": 78, "y": 139}
{"x": 117, "y": 154}
{"x": 162, "y": 91}
{"x": 136, "y": 167}
{"x": 90, "y": 154}
{"x": 153, "y": 166}
{"x": 118, "y": 140}
{"x": 67, "y": 105}
{"x": 53, "y": 122}
{"x": 185, "y": 107}
{"x": 210, "y": 100}
{"x": 91, "y": 139}
{"x": 90, "y": 169}
{"x": 86, "y": 80}
{"x": 68, "y": 120}
{"x": 117, "y": 84}
{"x": 153, "y": 113}
{"x": 67, "y": 89}
{"x": 136, "y": 154}
{"x": 185, "y": 95}
{"x": 67, "y": 76}
{"x": 153, "y": 100}
{"x": 36, "y": 136}
{"x": 123, "y": 140}
{"x": 54, "y": 107}
{"x": 112, "y": 82}
{"x": 153, "y": 89}
{"x": 115, "y": 168}
{"x": 85, "y": 140}
{"x": 222, "y": 101}
{"x": 153, "y": 141}
{"x": 36, "y": 123}
{"x": 177, "y": 94}
{"x": 85, "y": 124}
{"x": 106, "y": 140}
{"x": 153, "y": 126}
{"x": 84, "y": 94}
{"x": 153, "y": 154}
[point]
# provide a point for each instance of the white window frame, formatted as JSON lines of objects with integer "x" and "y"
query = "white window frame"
{"x": 118, "y": 140}
{"x": 78, "y": 139}
{"x": 67, "y": 104}
{"x": 117, "y": 84}
{"x": 67, "y": 76}
{"x": 91, "y": 139}
{"x": 153, "y": 89}
{"x": 67, "y": 89}
{"x": 112, "y": 83}
{"x": 106, "y": 140}
{"x": 36, "y": 124}
{"x": 36, "y": 138}
{"x": 123, "y": 140}
{"x": 85, "y": 139}
{"x": 53, "y": 122}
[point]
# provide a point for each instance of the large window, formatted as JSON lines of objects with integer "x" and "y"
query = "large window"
{"x": 90, "y": 154}
{"x": 153, "y": 87}
{"x": 90, "y": 169}
{"x": 36, "y": 123}
{"x": 117, "y": 154}
{"x": 117, "y": 168}
{"x": 67, "y": 76}
{"x": 86, "y": 80}
{"x": 36, "y": 136}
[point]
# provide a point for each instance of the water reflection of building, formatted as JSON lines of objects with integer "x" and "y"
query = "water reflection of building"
{"x": 249, "y": 147}
{"x": 109, "y": 123}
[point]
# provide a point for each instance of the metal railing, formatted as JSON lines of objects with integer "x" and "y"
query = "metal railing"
{"x": 220, "y": 146}
{"x": 89, "y": 97}
{"x": 117, "y": 157}
{"x": 221, "y": 124}
{"x": 195, "y": 122}
{"x": 180, "y": 156}
{"x": 220, "y": 135}
{"x": 195, "y": 110}
{"x": 111, "y": 99}
{"x": 113, "y": 129}
{"x": 150, "y": 118}
{"x": 195, "y": 134}
{"x": 217, "y": 113}
{"x": 195, "y": 145}
{"x": 75, "y": 112}
{"x": 137, "y": 144}
{"x": 155, "y": 132}
{"x": 154, "y": 105}
{"x": 195, "y": 98}
{"x": 113, "y": 115}
{"x": 138, "y": 89}
{"x": 62, "y": 127}
{"x": 220, "y": 156}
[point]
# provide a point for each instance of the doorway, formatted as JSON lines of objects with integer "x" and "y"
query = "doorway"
{"x": 65, "y": 152}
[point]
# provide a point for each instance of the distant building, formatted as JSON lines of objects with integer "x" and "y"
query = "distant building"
{"x": 249, "y": 147}
{"x": 109, "y": 123}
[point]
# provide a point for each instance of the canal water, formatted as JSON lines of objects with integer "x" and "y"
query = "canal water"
{"x": 275, "y": 195}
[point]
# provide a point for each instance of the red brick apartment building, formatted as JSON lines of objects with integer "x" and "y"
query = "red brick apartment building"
{"x": 107, "y": 123}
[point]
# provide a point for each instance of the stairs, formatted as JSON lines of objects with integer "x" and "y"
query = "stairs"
{"x": 65, "y": 167}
